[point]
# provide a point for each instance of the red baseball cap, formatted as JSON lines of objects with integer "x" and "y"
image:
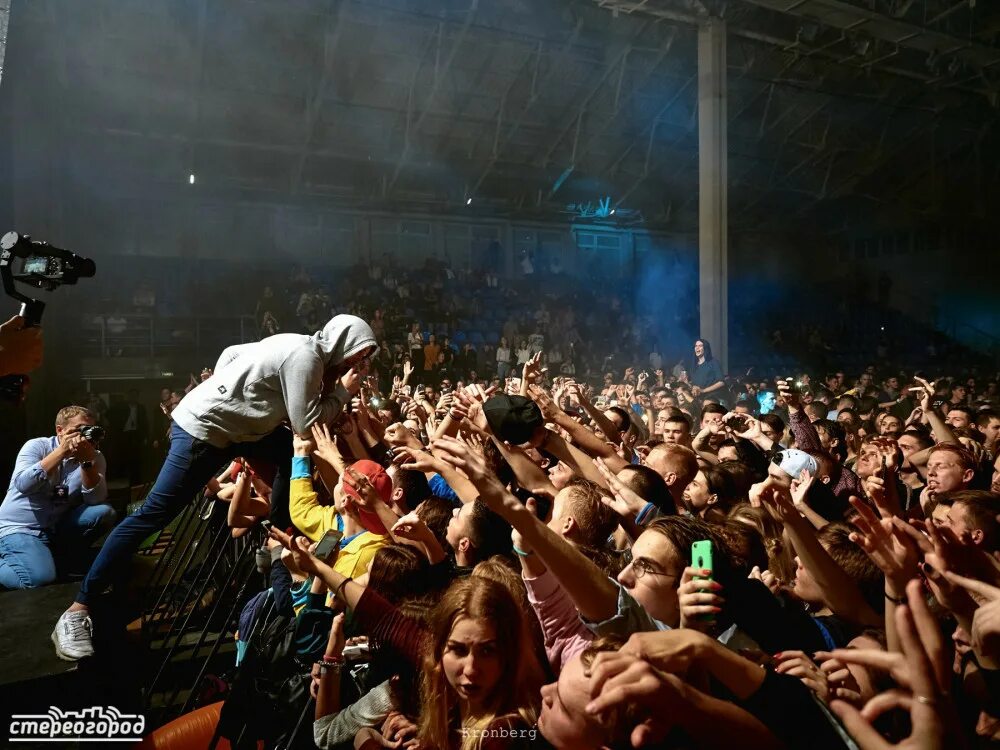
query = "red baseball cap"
{"x": 383, "y": 486}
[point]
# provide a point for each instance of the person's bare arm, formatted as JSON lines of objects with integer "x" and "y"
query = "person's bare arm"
{"x": 430, "y": 463}
{"x": 940, "y": 429}
{"x": 583, "y": 437}
{"x": 603, "y": 423}
{"x": 842, "y": 594}
{"x": 593, "y": 593}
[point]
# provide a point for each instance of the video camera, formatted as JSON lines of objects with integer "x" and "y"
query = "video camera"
{"x": 43, "y": 267}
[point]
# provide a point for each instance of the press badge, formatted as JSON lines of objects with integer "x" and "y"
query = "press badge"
{"x": 60, "y": 493}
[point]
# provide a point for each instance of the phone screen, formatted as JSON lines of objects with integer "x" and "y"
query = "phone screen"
{"x": 328, "y": 544}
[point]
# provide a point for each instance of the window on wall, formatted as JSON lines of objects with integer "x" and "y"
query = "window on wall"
{"x": 602, "y": 252}
{"x": 458, "y": 244}
{"x": 485, "y": 242}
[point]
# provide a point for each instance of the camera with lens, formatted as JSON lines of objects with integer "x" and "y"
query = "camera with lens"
{"x": 793, "y": 386}
{"x": 739, "y": 423}
{"x": 92, "y": 433}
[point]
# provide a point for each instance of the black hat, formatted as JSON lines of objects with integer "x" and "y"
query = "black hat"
{"x": 513, "y": 418}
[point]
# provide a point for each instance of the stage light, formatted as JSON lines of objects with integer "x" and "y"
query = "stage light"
{"x": 468, "y": 201}
{"x": 191, "y": 179}
{"x": 611, "y": 212}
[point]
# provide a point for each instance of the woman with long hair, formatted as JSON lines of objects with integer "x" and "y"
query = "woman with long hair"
{"x": 480, "y": 678}
{"x": 706, "y": 372}
{"x": 478, "y": 674}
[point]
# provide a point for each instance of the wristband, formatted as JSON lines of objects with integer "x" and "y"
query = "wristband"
{"x": 455, "y": 417}
{"x": 327, "y": 659}
{"x": 895, "y": 600}
{"x": 521, "y": 552}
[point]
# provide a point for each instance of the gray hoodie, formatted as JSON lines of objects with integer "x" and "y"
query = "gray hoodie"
{"x": 258, "y": 386}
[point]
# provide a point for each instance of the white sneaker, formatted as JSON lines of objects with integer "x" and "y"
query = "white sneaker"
{"x": 72, "y": 636}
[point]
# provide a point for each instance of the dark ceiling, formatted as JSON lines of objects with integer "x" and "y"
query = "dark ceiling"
{"x": 842, "y": 112}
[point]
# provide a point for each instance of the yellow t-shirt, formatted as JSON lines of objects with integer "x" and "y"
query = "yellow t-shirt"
{"x": 314, "y": 520}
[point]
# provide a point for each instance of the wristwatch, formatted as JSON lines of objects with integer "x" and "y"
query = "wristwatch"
{"x": 86, "y": 464}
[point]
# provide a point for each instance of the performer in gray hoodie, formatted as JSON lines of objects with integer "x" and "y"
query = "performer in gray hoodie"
{"x": 239, "y": 411}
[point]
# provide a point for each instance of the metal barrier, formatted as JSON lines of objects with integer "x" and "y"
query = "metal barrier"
{"x": 185, "y": 631}
{"x": 180, "y": 625}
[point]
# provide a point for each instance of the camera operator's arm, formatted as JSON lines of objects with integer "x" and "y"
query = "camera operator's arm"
{"x": 35, "y": 463}
{"x": 311, "y": 393}
{"x": 20, "y": 347}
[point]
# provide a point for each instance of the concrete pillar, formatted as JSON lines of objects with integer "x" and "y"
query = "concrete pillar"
{"x": 712, "y": 188}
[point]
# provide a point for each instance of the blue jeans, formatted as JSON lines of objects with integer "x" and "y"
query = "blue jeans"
{"x": 189, "y": 465}
{"x": 27, "y": 561}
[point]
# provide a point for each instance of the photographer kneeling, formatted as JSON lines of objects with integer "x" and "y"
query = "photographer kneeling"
{"x": 55, "y": 505}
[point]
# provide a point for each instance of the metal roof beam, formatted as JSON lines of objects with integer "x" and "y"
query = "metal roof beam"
{"x": 440, "y": 73}
{"x": 315, "y": 105}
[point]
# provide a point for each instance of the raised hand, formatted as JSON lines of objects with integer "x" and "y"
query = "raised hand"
{"x": 629, "y": 680}
{"x": 888, "y": 545}
{"x": 767, "y": 578}
{"x": 325, "y": 448}
{"x": 298, "y": 547}
{"x": 623, "y": 500}
{"x": 351, "y": 380}
{"x": 545, "y": 403}
{"x": 456, "y": 453}
{"x": 532, "y": 370}
{"x": 699, "y": 599}
{"x": 410, "y": 527}
{"x": 800, "y": 488}
{"x": 417, "y": 459}
{"x": 919, "y": 670}
{"x": 789, "y": 395}
{"x": 357, "y": 481}
{"x": 303, "y": 445}
{"x": 797, "y": 664}
{"x": 986, "y": 621}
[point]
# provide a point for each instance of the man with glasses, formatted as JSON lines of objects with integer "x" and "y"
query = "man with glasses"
{"x": 241, "y": 410}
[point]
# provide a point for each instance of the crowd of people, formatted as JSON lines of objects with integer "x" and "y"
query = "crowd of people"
{"x": 545, "y": 548}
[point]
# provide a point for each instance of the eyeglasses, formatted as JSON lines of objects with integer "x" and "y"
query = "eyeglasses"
{"x": 641, "y": 567}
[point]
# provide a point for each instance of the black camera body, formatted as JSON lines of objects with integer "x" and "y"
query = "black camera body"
{"x": 92, "y": 433}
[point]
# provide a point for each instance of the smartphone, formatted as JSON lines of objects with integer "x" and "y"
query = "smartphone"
{"x": 328, "y": 544}
{"x": 701, "y": 558}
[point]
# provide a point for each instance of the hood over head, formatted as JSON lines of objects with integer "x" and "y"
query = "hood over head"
{"x": 344, "y": 336}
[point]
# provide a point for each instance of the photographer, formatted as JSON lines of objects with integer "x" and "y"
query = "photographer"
{"x": 55, "y": 503}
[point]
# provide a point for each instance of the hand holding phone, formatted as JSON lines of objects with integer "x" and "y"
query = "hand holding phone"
{"x": 701, "y": 559}
{"x": 328, "y": 544}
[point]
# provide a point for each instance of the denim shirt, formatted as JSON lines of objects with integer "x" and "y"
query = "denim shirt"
{"x": 31, "y": 506}
{"x": 631, "y": 618}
